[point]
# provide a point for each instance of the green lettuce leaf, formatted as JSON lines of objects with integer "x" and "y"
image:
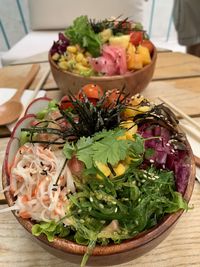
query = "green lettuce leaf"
{"x": 50, "y": 229}
{"x": 82, "y": 33}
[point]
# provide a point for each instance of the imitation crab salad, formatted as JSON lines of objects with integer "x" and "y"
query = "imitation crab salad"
{"x": 97, "y": 48}
{"x": 99, "y": 168}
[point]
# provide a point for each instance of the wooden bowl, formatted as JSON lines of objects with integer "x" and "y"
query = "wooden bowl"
{"x": 114, "y": 253}
{"x": 134, "y": 82}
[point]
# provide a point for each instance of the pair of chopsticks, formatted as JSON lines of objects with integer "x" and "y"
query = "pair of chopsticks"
{"x": 37, "y": 88}
{"x": 185, "y": 128}
{"x": 4, "y": 131}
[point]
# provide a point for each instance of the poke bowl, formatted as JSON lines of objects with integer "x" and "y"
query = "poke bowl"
{"x": 115, "y": 53}
{"x": 101, "y": 179}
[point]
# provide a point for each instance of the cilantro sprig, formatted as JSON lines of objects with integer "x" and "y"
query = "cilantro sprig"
{"x": 105, "y": 147}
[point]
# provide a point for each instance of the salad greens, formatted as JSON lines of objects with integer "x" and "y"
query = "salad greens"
{"x": 82, "y": 33}
{"x": 113, "y": 209}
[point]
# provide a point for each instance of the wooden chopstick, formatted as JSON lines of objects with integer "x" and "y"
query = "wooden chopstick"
{"x": 40, "y": 83}
{"x": 180, "y": 112}
{"x": 36, "y": 89}
{"x": 189, "y": 131}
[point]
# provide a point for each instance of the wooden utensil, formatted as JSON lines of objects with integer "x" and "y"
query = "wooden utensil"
{"x": 36, "y": 90}
{"x": 12, "y": 109}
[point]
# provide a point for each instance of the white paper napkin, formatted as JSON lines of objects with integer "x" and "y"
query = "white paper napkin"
{"x": 7, "y": 93}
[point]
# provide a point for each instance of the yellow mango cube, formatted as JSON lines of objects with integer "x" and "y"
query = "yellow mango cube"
{"x": 122, "y": 41}
{"x": 144, "y": 109}
{"x": 138, "y": 62}
{"x": 145, "y": 54}
{"x": 119, "y": 169}
{"x": 103, "y": 168}
{"x": 130, "y": 56}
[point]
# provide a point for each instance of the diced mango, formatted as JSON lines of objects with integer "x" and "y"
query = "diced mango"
{"x": 123, "y": 137}
{"x": 145, "y": 54}
{"x": 129, "y": 112}
{"x": 119, "y": 169}
{"x": 131, "y": 129}
{"x": 134, "y": 106}
{"x": 131, "y": 132}
{"x": 136, "y": 100}
{"x": 103, "y": 168}
{"x": 128, "y": 160}
{"x": 122, "y": 41}
{"x": 144, "y": 109}
{"x": 138, "y": 62}
{"x": 130, "y": 56}
{"x": 128, "y": 124}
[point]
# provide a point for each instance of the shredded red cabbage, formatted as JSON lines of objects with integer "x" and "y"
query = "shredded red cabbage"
{"x": 166, "y": 154}
{"x": 60, "y": 45}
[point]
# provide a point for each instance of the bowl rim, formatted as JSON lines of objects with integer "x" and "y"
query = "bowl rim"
{"x": 105, "y": 78}
{"x": 139, "y": 240}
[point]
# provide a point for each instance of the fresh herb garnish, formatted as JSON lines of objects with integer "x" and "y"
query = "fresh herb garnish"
{"x": 104, "y": 147}
{"x": 83, "y": 34}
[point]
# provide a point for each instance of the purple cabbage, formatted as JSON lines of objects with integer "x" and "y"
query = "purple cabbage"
{"x": 60, "y": 45}
{"x": 166, "y": 154}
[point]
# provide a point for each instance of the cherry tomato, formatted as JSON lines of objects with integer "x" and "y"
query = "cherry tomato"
{"x": 136, "y": 37}
{"x": 113, "y": 96}
{"x": 148, "y": 44}
{"x": 92, "y": 91}
{"x": 65, "y": 103}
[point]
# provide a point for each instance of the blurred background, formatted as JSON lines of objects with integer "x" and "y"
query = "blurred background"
{"x": 157, "y": 21}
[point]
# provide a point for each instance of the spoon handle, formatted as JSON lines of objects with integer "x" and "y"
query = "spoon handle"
{"x": 26, "y": 82}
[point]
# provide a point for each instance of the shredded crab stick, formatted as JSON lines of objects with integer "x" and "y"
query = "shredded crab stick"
{"x": 32, "y": 180}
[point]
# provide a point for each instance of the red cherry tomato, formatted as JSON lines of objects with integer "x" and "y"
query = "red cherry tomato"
{"x": 65, "y": 103}
{"x": 136, "y": 37}
{"x": 92, "y": 91}
{"x": 148, "y": 44}
{"x": 112, "y": 97}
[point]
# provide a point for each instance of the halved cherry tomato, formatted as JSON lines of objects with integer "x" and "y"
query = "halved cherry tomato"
{"x": 136, "y": 37}
{"x": 113, "y": 96}
{"x": 93, "y": 92}
{"x": 65, "y": 103}
{"x": 148, "y": 44}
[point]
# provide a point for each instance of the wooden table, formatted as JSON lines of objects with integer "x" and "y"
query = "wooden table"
{"x": 177, "y": 78}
